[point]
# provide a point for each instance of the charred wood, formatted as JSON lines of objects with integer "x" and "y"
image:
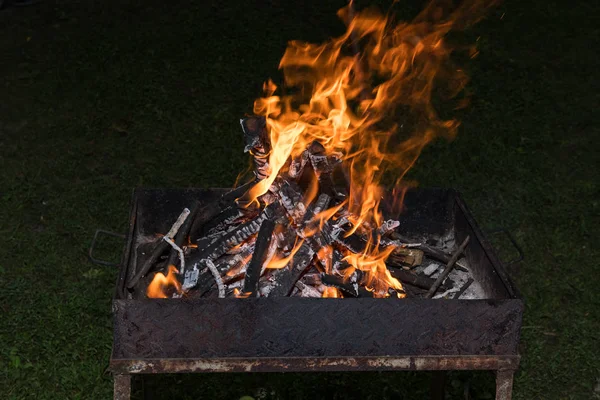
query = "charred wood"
{"x": 322, "y": 163}
{"x": 312, "y": 279}
{"x": 304, "y": 290}
{"x": 413, "y": 291}
{"x": 219, "y": 247}
{"x": 231, "y": 267}
{"x": 463, "y": 288}
{"x": 404, "y": 256}
{"x": 315, "y": 208}
{"x": 430, "y": 251}
{"x": 258, "y": 144}
{"x": 449, "y": 266}
{"x": 353, "y": 243}
{"x": 183, "y": 233}
{"x": 388, "y": 226}
{"x": 282, "y": 280}
{"x": 411, "y": 278}
{"x": 213, "y": 209}
{"x": 297, "y": 165}
{"x": 228, "y": 217}
{"x": 254, "y": 269}
{"x": 350, "y": 288}
{"x": 255, "y": 133}
{"x": 159, "y": 250}
{"x": 290, "y": 195}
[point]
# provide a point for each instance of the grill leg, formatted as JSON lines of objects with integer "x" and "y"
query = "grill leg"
{"x": 438, "y": 385}
{"x": 122, "y": 387}
{"x": 504, "y": 384}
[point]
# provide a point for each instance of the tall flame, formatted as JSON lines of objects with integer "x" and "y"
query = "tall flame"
{"x": 374, "y": 107}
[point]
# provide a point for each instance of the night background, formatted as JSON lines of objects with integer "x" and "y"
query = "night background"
{"x": 97, "y": 98}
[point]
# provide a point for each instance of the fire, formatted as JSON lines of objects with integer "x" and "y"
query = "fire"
{"x": 351, "y": 101}
{"x": 157, "y": 289}
{"x": 281, "y": 262}
{"x": 239, "y": 294}
{"x": 325, "y": 257}
{"x": 331, "y": 292}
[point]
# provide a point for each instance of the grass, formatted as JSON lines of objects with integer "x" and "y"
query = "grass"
{"x": 99, "y": 97}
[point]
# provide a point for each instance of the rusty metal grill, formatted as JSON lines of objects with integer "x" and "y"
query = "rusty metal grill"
{"x": 301, "y": 334}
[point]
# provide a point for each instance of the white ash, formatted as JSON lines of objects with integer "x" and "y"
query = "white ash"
{"x": 264, "y": 289}
{"x": 388, "y": 226}
{"x": 459, "y": 277}
{"x": 271, "y": 251}
{"x": 180, "y": 220}
{"x": 215, "y": 272}
{"x": 446, "y": 242}
{"x": 431, "y": 268}
{"x": 237, "y": 284}
{"x": 191, "y": 278}
{"x": 306, "y": 290}
{"x": 475, "y": 291}
{"x": 179, "y": 251}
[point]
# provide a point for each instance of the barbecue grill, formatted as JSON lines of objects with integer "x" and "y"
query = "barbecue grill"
{"x": 277, "y": 334}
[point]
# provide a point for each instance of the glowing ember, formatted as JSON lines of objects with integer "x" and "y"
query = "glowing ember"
{"x": 331, "y": 292}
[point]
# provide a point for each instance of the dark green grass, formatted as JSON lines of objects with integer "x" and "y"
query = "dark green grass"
{"x": 99, "y": 97}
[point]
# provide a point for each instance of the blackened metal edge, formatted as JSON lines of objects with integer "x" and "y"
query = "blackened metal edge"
{"x": 489, "y": 249}
{"x": 121, "y": 292}
{"x": 306, "y": 364}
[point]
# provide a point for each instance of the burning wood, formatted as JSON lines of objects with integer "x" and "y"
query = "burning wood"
{"x": 254, "y": 269}
{"x": 161, "y": 247}
{"x": 310, "y": 221}
{"x": 298, "y": 239}
{"x": 299, "y": 244}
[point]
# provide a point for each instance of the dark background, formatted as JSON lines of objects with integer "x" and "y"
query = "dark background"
{"x": 98, "y": 97}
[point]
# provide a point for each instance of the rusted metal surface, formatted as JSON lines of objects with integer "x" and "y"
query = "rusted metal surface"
{"x": 295, "y": 364}
{"x": 306, "y": 327}
{"x": 504, "y": 384}
{"x": 122, "y": 386}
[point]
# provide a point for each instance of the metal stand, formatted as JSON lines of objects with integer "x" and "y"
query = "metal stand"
{"x": 438, "y": 385}
{"x": 504, "y": 377}
{"x": 504, "y": 384}
{"x": 122, "y": 387}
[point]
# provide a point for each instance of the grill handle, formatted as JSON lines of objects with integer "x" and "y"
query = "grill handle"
{"x": 513, "y": 241}
{"x": 98, "y": 233}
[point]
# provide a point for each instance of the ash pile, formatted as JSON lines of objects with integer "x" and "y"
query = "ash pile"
{"x": 297, "y": 238}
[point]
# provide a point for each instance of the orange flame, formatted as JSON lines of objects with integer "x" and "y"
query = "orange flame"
{"x": 351, "y": 104}
{"x": 281, "y": 262}
{"x": 372, "y": 261}
{"x": 157, "y": 289}
{"x": 237, "y": 268}
{"x": 331, "y": 292}
{"x": 325, "y": 255}
{"x": 241, "y": 295}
